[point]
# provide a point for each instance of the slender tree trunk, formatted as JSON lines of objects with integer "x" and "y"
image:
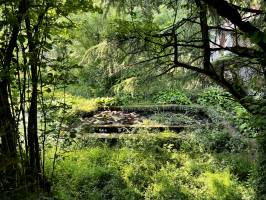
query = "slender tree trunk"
{"x": 33, "y": 125}
{"x": 7, "y": 123}
{"x": 33, "y": 141}
{"x": 33, "y": 37}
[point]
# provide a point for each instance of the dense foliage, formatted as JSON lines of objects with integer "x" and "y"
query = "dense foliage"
{"x": 197, "y": 67}
{"x": 157, "y": 166}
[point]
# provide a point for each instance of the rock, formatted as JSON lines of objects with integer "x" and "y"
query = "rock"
{"x": 115, "y": 117}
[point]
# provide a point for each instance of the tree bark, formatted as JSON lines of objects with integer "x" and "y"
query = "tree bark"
{"x": 33, "y": 111}
{"x": 231, "y": 13}
{"x": 205, "y": 35}
{"x": 8, "y": 125}
{"x": 33, "y": 33}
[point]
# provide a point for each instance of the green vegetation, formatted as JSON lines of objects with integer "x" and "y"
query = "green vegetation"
{"x": 154, "y": 166}
{"x": 172, "y": 97}
{"x": 144, "y": 99}
{"x": 206, "y": 162}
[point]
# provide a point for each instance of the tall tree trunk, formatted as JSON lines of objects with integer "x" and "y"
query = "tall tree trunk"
{"x": 8, "y": 142}
{"x": 33, "y": 126}
{"x": 7, "y": 125}
{"x": 233, "y": 15}
{"x": 33, "y": 38}
{"x": 33, "y": 111}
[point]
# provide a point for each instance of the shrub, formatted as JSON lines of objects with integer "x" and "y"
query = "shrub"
{"x": 172, "y": 97}
{"x": 90, "y": 174}
{"x": 216, "y": 97}
{"x": 232, "y": 111}
{"x": 221, "y": 186}
{"x": 240, "y": 165}
{"x": 148, "y": 167}
{"x": 168, "y": 183}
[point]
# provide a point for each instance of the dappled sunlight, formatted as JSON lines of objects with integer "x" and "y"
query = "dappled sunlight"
{"x": 132, "y": 100}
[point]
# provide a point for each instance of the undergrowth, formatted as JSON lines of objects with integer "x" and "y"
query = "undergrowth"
{"x": 153, "y": 166}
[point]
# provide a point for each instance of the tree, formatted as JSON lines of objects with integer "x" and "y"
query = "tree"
{"x": 27, "y": 30}
{"x": 191, "y": 41}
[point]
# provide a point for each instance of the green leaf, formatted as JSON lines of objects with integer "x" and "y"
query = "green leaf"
{"x": 48, "y": 90}
{"x": 22, "y": 38}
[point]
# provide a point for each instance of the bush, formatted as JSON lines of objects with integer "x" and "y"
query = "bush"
{"x": 172, "y": 97}
{"x": 147, "y": 167}
{"x": 240, "y": 165}
{"x": 232, "y": 111}
{"x": 90, "y": 174}
{"x": 221, "y": 186}
{"x": 217, "y": 140}
{"x": 216, "y": 97}
{"x": 168, "y": 183}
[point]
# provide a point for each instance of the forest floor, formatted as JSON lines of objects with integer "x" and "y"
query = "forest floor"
{"x": 130, "y": 153}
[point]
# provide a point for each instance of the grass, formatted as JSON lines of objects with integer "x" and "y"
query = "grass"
{"x": 78, "y": 103}
{"x": 204, "y": 164}
{"x": 81, "y": 104}
{"x": 152, "y": 166}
